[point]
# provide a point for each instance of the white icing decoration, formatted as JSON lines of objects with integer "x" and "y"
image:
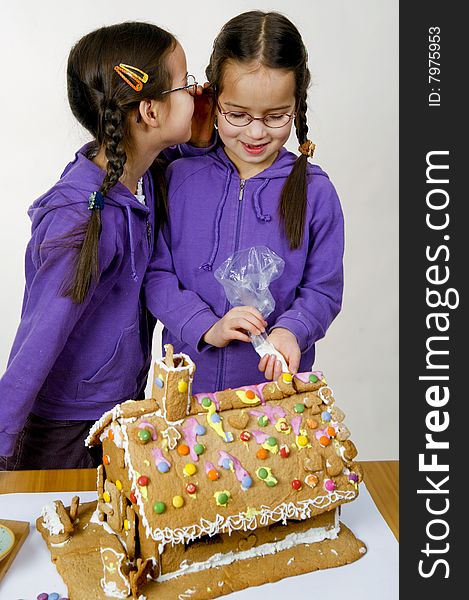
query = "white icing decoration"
{"x": 326, "y": 400}
{"x": 311, "y": 536}
{"x": 51, "y": 520}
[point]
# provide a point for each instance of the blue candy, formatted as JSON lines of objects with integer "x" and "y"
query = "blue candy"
{"x": 326, "y": 416}
{"x": 200, "y": 430}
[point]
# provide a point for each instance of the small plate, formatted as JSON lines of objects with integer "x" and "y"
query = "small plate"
{"x": 7, "y": 540}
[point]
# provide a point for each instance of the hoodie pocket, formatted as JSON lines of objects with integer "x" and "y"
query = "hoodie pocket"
{"x": 117, "y": 378}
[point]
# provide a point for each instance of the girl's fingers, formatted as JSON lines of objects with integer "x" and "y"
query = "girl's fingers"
{"x": 294, "y": 363}
{"x": 263, "y": 363}
{"x": 244, "y": 323}
{"x": 235, "y": 334}
{"x": 277, "y": 370}
{"x": 269, "y": 370}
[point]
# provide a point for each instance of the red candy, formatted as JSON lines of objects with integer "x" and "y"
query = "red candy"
{"x": 296, "y": 484}
{"x": 191, "y": 488}
{"x": 284, "y": 452}
{"x": 245, "y": 436}
{"x": 132, "y": 497}
{"x": 143, "y": 480}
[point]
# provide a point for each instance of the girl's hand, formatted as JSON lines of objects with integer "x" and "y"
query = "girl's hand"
{"x": 285, "y": 342}
{"x": 235, "y": 325}
{"x": 203, "y": 117}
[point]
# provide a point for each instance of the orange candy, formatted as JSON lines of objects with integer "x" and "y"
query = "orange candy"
{"x": 311, "y": 423}
{"x": 324, "y": 440}
{"x": 106, "y": 459}
{"x": 110, "y": 434}
{"x": 331, "y": 432}
{"x": 250, "y": 395}
{"x": 183, "y": 450}
{"x": 262, "y": 453}
{"x": 213, "y": 475}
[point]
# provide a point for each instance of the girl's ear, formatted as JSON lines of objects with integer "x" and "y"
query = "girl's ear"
{"x": 149, "y": 113}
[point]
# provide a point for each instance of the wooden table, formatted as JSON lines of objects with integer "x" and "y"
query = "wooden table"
{"x": 381, "y": 478}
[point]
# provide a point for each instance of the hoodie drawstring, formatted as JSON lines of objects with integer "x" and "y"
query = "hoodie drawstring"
{"x": 132, "y": 244}
{"x": 209, "y": 264}
{"x": 257, "y": 204}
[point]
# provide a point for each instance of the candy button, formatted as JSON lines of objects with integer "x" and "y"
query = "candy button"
{"x": 106, "y": 459}
{"x": 246, "y": 481}
{"x": 263, "y": 421}
{"x": 287, "y": 377}
{"x": 353, "y": 477}
{"x": 178, "y": 501}
{"x": 159, "y": 507}
{"x": 271, "y": 441}
{"x": 144, "y": 436}
{"x": 159, "y": 382}
{"x": 226, "y": 463}
{"x": 313, "y": 378}
{"x": 163, "y": 467}
{"x": 263, "y": 473}
{"x": 126, "y": 524}
{"x": 54, "y": 596}
{"x": 222, "y": 498}
{"x": 106, "y": 497}
{"x": 250, "y": 395}
{"x": 143, "y": 480}
{"x": 311, "y": 480}
{"x": 216, "y": 418}
{"x": 245, "y": 436}
{"x": 190, "y": 469}
{"x": 331, "y": 432}
{"x": 271, "y": 482}
{"x": 262, "y": 453}
{"x": 284, "y": 452}
{"x": 191, "y": 488}
{"x": 326, "y": 416}
{"x": 206, "y": 402}
{"x": 182, "y": 386}
{"x": 132, "y": 497}
{"x": 110, "y": 434}
{"x": 43, "y": 596}
{"x": 302, "y": 440}
{"x": 324, "y": 440}
{"x": 200, "y": 430}
{"x": 296, "y": 484}
{"x": 199, "y": 449}
{"x": 299, "y": 408}
{"x": 329, "y": 485}
{"x": 119, "y": 484}
{"x": 183, "y": 450}
{"x": 213, "y": 475}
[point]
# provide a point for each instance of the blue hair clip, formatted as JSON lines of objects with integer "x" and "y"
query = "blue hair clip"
{"x": 96, "y": 201}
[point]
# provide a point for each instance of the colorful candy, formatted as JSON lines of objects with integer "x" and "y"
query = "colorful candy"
{"x": 302, "y": 440}
{"x": 190, "y": 469}
{"x": 284, "y": 451}
{"x": 221, "y": 498}
{"x": 178, "y": 501}
{"x": 119, "y": 484}
{"x": 245, "y": 436}
{"x": 287, "y": 377}
{"x": 324, "y": 440}
{"x": 329, "y": 485}
{"x": 159, "y": 507}
{"x": 110, "y": 434}
{"x": 159, "y": 382}
{"x": 331, "y": 432}
{"x": 313, "y": 379}
{"x": 106, "y": 459}
{"x": 300, "y": 408}
{"x": 263, "y": 421}
{"x": 311, "y": 480}
{"x": 206, "y": 402}
{"x": 213, "y": 475}
{"x": 182, "y": 386}
{"x": 262, "y": 454}
{"x": 191, "y": 488}
{"x": 106, "y": 497}
{"x": 199, "y": 449}
{"x": 132, "y": 498}
{"x": 326, "y": 415}
{"x": 143, "y": 480}
{"x": 265, "y": 475}
{"x": 296, "y": 484}
{"x": 183, "y": 449}
{"x": 144, "y": 436}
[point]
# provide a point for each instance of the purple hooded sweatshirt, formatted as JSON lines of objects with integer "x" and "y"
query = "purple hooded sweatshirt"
{"x": 214, "y": 213}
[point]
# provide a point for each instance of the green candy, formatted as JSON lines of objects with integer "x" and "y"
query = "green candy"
{"x": 159, "y": 507}
{"x": 271, "y": 441}
{"x": 313, "y": 379}
{"x": 263, "y": 421}
{"x": 206, "y": 402}
{"x": 223, "y": 498}
{"x": 199, "y": 449}
{"x": 271, "y": 482}
{"x": 262, "y": 473}
{"x": 144, "y": 436}
{"x": 299, "y": 408}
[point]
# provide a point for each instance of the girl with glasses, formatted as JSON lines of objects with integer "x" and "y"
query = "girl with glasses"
{"x": 83, "y": 344}
{"x": 250, "y": 191}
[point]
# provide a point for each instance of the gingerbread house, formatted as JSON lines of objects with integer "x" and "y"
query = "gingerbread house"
{"x": 196, "y": 490}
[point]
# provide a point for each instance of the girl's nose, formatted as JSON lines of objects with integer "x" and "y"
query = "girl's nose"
{"x": 256, "y": 129}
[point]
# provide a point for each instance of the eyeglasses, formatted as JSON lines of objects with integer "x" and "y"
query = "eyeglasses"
{"x": 241, "y": 119}
{"x": 191, "y": 86}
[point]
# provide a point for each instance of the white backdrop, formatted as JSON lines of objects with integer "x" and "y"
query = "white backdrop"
{"x": 353, "y": 119}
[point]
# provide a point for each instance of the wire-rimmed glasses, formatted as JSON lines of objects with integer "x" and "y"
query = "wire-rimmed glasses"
{"x": 241, "y": 119}
{"x": 191, "y": 86}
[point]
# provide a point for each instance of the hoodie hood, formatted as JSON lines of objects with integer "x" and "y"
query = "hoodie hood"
{"x": 79, "y": 179}
{"x": 279, "y": 169}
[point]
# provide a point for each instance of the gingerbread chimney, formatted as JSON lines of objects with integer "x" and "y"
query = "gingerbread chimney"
{"x": 172, "y": 384}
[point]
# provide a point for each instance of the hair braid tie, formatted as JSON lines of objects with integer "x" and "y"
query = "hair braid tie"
{"x": 307, "y": 148}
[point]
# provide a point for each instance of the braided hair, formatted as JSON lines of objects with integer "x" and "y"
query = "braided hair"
{"x": 273, "y": 41}
{"x": 103, "y": 102}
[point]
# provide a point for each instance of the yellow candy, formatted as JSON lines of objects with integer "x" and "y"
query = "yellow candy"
{"x": 190, "y": 469}
{"x": 287, "y": 377}
{"x": 106, "y": 497}
{"x": 126, "y": 524}
{"x": 302, "y": 440}
{"x": 182, "y": 386}
{"x": 178, "y": 501}
{"x": 118, "y": 485}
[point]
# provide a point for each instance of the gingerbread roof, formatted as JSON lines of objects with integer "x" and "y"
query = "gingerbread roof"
{"x": 241, "y": 459}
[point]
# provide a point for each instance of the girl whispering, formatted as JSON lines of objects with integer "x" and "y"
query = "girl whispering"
{"x": 250, "y": 191}
{"x": 84, "y": 340}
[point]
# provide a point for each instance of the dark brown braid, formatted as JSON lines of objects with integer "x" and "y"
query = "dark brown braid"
{"x": 274, "y": 42}
{"x": 103, "y": 103}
